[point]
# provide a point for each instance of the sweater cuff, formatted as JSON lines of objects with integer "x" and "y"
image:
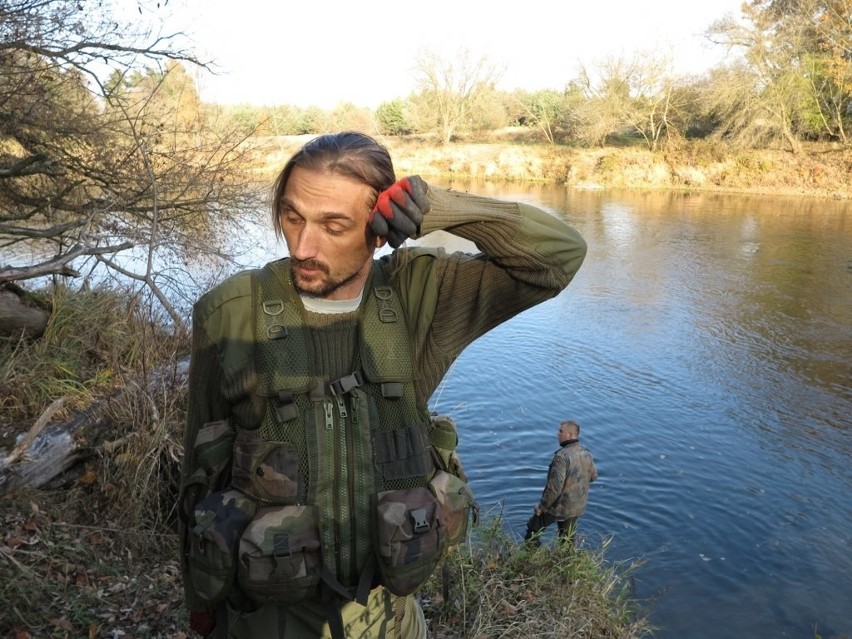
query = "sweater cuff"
{"x": 454, "y": 208}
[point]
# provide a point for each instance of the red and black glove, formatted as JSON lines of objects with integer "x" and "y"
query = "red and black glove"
{"x": 399, "y": 210}
{"x": 202, "y": 622}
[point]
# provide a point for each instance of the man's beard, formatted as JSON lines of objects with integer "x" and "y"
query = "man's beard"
{"x": 322, "y": 287}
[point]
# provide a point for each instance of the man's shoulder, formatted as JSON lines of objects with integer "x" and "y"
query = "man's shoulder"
{"x": 400, "y": 259}
{"x": 416, "y": 265}
{"x": 233, "y": 288}
{"x": 572, "y": 449}
{"x": 233, "y": 295}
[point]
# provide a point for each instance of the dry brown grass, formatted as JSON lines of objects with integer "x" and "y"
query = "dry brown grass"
{"x": 819, "y": 171}
{"x": 499, "y": 587}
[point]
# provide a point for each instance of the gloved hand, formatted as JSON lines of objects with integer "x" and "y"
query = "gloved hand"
{"x": 399, "y": 210}
{"x": 202, "y": 622}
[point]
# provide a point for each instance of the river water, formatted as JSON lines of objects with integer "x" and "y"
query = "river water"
{"x": 705, "y": 347}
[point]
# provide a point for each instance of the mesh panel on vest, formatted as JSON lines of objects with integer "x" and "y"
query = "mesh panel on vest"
{"x": 285, "y": 362}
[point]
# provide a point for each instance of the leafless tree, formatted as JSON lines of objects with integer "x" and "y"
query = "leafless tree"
{"x": 450, "y": 91}
{"x": 104, "y": 148}
{"x": 641, "y": 94}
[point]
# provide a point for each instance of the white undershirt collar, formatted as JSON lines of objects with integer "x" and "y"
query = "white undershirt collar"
{"x": 328, "y": 307}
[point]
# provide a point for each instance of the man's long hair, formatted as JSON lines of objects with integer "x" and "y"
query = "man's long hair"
{"x": 348, "y": 153}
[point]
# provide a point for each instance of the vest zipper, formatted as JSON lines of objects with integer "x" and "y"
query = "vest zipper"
{"x": 341, "y": 408}
{"x": 360, "y": 486}
{"x": 329, "y": 415}
{"x": 344, "y": 507}
{"x": 326, "y": 498}
{"x": 350, "y": 496}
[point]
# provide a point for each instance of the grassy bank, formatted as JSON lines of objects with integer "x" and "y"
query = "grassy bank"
{"x": 95, "y": 555}
{"x": 819, "y": 171}
{"x": 70, "y": 569}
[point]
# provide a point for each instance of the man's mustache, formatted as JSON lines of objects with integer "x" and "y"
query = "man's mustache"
{"x": 309, "y": 264}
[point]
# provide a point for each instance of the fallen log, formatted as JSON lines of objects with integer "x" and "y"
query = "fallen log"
{"x": 51, "y": 448}
{"x": 17, "y": 317}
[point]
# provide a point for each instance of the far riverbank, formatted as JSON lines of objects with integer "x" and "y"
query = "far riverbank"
{"x": 823, "y": 171}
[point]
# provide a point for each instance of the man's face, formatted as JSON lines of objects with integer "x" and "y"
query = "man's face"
{"x": 324, "y": 221}
{"x": 562, "y": 433}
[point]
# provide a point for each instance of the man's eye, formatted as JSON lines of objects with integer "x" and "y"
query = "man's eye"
{"x": 292, "y": 219}
{"x": 334, "y": 230}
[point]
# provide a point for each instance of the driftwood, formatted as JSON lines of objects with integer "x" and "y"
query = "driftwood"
{"x": 18, "y": 317}
{"x": 49, "y": 449}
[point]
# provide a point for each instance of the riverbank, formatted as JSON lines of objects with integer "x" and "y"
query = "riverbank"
{"x": 94, "y": 552}
{"x": 818, "y": 171}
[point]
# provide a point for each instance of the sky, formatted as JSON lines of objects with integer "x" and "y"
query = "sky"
{"x": 316, "y": 53}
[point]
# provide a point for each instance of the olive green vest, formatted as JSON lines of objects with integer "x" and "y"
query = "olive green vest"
{"x": 333, "y": 444}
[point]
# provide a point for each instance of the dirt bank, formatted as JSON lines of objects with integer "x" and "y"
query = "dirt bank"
{"x": 822, "y": 171}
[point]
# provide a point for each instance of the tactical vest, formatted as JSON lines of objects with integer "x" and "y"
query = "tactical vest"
{"x": 345, "y": 483}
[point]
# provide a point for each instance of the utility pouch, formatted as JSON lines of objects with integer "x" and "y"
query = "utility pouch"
{"x": 402, "y": 453}
{"x": 279, "y": 555}
{"x": 212, "y": 454}
{"x": 266, "y": 470}
{"x": 218, "y": 522}
{"x": 456, "y": 500}
{"x": 444, "y": 438}
{"x": 410, "y": 538}
{"x": 212, "y": 450}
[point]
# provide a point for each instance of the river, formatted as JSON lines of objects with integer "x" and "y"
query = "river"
{"x": 705, "y": 347}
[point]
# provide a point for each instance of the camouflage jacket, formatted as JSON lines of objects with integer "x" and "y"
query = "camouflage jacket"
{"x": 571, "y": 471}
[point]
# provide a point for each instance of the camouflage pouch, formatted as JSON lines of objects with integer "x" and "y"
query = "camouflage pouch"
{"x": 410, "y": 538}
{"x": 279, "y": 555}
{"x": 212, "y": 456}
{"x": 218, "y": 522}
{"x": 267, "y": 470}
{"x": 456, "y": 500}
{"x": 444, "y": 438}
{"x": 212, "y": 450}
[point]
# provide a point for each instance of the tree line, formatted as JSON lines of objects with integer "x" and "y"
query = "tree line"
{"x": 788, "y": 80}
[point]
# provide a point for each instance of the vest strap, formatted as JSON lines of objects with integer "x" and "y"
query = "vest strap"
{"x": 335, "y": 620}
{"x": 331, "y": 581}
{"x": 392, "y": 390}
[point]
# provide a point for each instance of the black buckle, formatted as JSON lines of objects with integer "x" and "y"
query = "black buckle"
{"x": 281, "y": 545}
{"x": 276, "y": 331}
{"x": 418, "y": 518}
{"x": 346, "y": 384}
{"x": 285, "y": 409}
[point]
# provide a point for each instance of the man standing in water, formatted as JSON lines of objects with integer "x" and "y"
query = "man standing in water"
{"x": 567, "y": 491}
{"x": 308, "y": 503}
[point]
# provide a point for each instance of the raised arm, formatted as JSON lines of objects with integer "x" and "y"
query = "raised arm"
{"x": 526, "y": 257}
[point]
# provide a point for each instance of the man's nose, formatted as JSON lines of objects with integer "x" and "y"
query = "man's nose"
{"x": 305, "y": 243}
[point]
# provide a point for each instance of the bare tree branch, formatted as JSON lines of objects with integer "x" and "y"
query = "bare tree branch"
{"x": 59, "y": 264}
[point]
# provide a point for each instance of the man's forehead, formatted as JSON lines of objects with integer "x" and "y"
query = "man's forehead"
{"x": 326, "y": 195}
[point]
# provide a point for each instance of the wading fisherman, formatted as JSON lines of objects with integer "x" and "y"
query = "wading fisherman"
{"x": 566, "y": 493}
{"x": 316, "y": 492}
